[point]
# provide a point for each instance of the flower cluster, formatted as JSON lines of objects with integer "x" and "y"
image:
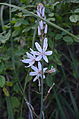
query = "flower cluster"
{"x": 42, "y": 27}
{"x": 41, "y": 53}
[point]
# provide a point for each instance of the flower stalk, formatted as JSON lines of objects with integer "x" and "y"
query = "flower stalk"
{"x": 42, "y": 91}
{"x": 42, "y": 30}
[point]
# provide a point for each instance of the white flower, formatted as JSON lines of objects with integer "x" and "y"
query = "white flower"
{"x": 38, "y": 72}
{"x": 42, "y": 53}
{"x": 31, "y": 59}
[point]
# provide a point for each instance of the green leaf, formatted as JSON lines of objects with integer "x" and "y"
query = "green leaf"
{"x": 3, "y": 39}
{"x": 16, "y": 33}
{"x": 17, "y": 24}
{"x": 68, "y": 39}
{"x": 58, "y": 36}
{"x": 16, "y": 88}
{"x": 9, "y": 108}
{"x": 13, "y": 10}
{"x": 76, "y": 10}
{"x": 51, "y": 19}
{"x": 51, "y": 14}
{"x": 15, "y": 102}
{"x": 49, "y": 80}
{"x": 2, "y": 81}
{"x": 74, "y": 18}
{"x": 6, "y": 92}
{"x": 2, "y": 67}
{"x": 60, "y": 106}
{"x": 9, "y": 83}
{"x": 56, "y": 58}
{"x": 74, "y": 103}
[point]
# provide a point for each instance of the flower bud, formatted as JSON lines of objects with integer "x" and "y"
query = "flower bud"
{"x": 38, "y": 13}
{"x": 39, "y": 31}
{"x": 40, "y": 10}
{"x": 41, "y": 25}
{"x": 45, "y": 29}
{"x": 43, "y": 12}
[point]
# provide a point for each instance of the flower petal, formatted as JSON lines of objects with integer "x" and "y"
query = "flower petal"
{"x": 34, "y": 68}
{"x": 34, "y": 52}
{"x": 39, "y": 66}
{"x": 43, "y": 76}
{"x": 26, "y": 60}
{"x": 45, "y": 45}
{"x": 31, "y": 63}
{"x": 29, "y": 55}
{"x": 32, "y": 73}
{"x": 44, "y": 69}
{"x": 48, "y": 53}
{"x": 38, "y": 47}
{"x": 35, "y": 79}
{"x": 45, "y": 58}
{"x": 38, "y": 58}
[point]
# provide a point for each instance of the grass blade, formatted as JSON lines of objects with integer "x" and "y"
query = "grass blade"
{"x": 9, "y": 108}
{"x": 59, "y": 105}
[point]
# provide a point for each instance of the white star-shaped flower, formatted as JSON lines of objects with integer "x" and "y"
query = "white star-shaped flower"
{"x": 31, "y": 59}
{"x": 38, "y": 72}
{"x": 42, "y": 53}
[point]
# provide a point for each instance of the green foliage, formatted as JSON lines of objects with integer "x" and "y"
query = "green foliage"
{"x": 6, "y": 92}
{"x": 68, "y": 39}
{"x": 2, "y": 81}
{"x": 74, "y": 18}
{"x": 3, "y": 39}
{"x": 15, "y": 102}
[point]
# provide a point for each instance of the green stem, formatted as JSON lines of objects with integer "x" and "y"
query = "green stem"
{"x": 41, "y": 110}
{"x": 36, "y": 16}
{"x": 42, "y": 106}
{"x": 2, "y": 21}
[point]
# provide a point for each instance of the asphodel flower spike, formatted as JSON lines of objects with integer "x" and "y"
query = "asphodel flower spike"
{"x": 41, "y": 53}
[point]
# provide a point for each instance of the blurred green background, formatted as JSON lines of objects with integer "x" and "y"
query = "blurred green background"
{"x": 18, "y": 32}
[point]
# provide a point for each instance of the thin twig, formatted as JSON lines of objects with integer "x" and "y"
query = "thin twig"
{"x": 49, "y": 92}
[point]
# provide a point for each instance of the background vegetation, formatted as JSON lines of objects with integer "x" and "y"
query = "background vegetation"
{"x": 18, "y": 32}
